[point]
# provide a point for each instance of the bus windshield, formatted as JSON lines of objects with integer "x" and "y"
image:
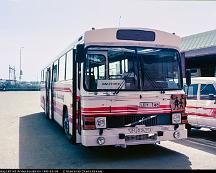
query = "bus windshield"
{"x": 132, "y": 68}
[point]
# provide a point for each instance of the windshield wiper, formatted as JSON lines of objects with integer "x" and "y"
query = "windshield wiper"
{"x": 122, "y": 84}
{"x": 139, "y": 121}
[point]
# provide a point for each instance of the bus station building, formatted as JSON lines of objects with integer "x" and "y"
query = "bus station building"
{"x": 198, "y": 53}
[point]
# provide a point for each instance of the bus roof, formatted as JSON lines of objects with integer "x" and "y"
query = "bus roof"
{"x": 108, "y": 37}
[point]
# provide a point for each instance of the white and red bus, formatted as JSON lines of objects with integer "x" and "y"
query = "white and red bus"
{"x": 117, "y": 86}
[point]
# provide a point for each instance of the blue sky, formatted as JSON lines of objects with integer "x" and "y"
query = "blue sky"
{"x": 45, "y": 27}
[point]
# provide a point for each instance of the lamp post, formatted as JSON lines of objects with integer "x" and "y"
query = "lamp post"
{"x": 119, "y": 21}
{"x": 21, "y": 73}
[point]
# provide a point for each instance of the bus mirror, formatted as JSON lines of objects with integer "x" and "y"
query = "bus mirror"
{"x": 80, "y": 49}
{"x": 188, "y": 77}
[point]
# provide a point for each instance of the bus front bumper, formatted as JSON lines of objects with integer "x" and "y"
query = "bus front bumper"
{"x": 140, "y": 134}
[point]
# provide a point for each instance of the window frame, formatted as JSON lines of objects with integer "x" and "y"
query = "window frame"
{"x": 66, "y": 65}
{"x": 55, "y": 78}
{"x": 59, "y": 63}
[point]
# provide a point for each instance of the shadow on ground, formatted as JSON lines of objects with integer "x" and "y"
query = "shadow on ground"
{"x": 43, "y": 145}
{"x": 204, "y": 140}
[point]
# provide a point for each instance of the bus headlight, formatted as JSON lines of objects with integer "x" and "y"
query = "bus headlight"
{"x": 176, "y": 118}
{"x": 100, "y": 122}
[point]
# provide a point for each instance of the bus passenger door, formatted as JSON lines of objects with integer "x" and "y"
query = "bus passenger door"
{"x": 47, "y": 86}
{"x": 52, "y": 93}
{"x": 76, "y": 118}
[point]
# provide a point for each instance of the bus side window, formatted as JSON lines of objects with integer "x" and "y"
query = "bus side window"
{"x": 69, "y": 65}
{"x": 55, "y": 72}
{"x": 206, "y": 90}
{"x": 62, "y": 68}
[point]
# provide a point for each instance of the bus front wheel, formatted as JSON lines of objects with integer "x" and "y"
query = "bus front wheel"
{"x": 66, "y": 127}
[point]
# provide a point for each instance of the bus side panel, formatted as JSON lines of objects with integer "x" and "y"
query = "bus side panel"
{"x": 62, "y": 97}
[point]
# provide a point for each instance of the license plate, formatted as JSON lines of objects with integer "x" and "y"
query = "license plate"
{"x": 139, "y": 130}
{"x": 149, "y": 104}
{"x": 140, "y": 137}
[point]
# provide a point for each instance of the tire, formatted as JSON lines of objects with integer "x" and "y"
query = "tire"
{"x": 66, "y": 125}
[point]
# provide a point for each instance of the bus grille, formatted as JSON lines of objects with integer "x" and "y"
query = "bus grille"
{"x": 121, "y": 121}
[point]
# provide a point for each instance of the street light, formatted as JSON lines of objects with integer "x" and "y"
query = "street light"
{"x": 21, "y": 73}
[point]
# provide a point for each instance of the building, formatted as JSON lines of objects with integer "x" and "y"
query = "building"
{"x": 199, "y": 53}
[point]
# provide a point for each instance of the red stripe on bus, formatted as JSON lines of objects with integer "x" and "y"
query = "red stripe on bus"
{"x": 117, "y": 111}
{"x": 199, "y": 114}
{"x": 197, "y": 107}
{"x": 125, "y": 113}
{"x": 64, "y": 89}
{"x": 124, "y": 108}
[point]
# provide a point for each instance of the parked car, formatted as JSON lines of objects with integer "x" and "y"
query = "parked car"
{"x": 201, "y": 102}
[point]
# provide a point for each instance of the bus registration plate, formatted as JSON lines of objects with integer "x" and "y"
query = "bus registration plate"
{"x": 149, "y": 104}
{"x": 139, "y": 130}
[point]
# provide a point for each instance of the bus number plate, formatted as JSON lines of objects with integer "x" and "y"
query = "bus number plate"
{"x": 149, "y": 104}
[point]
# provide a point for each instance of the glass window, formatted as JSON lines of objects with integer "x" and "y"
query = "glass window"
{"x": 55, "y": 72}
{"x": 137, "y": 35}
{"x": 101, "y": 71}
{"x": 95, "y": 69}
{"x": 62, "y": 68}
{"x": 114, "y": 70}
{"x": 206, "y": 90}
{"x": 159, "y": 68}
{"x": 69, "y": 65}
{"x": 192, "y": 91}
{"x": 132, "y": 68}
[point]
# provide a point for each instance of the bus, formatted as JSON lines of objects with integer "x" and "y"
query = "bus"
{"x": 118, "y": 87}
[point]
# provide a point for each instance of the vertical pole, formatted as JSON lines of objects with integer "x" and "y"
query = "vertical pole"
{"x": 20, "y": 65}
{"x": 119, "y": 21}
{"x": 20, "y": 77}
{"x": 9, "y": 72}
{"x": 14, "y": 74}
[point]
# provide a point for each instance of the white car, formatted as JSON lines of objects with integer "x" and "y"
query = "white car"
{"x": 201, "y": 102}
